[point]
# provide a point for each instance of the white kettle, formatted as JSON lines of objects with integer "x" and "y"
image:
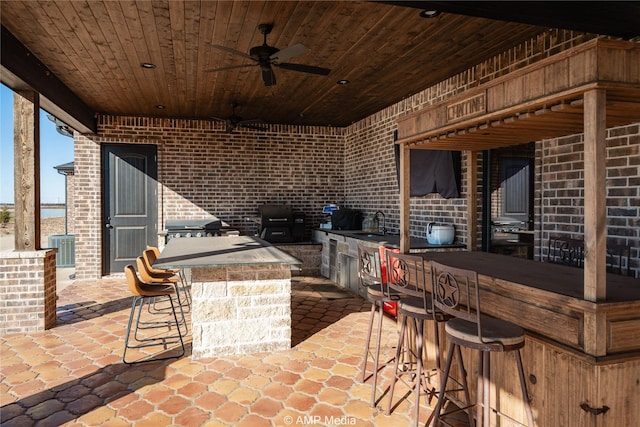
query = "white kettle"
{"x": 440, "y": 234}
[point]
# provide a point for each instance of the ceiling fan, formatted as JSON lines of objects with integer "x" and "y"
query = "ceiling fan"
{"x": 234, "y": 121}
{"x": 266, "y": 56}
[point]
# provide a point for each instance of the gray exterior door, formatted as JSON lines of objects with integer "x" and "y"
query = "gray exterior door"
{"x": 516, "y": 189}
{"x": 130, "y": 202}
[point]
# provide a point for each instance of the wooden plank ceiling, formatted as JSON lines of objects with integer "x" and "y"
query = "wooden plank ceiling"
{"x": 387, "y": 52}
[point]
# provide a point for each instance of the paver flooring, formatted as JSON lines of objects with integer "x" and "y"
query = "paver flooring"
{"x": 73, "y": 374}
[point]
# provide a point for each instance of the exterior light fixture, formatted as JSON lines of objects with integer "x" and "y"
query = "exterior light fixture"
{"x": 148, "y": 65}
{"x": 160, "y": 107}
{"x": 429, "y": 13}
{"x": 343, "y": 82}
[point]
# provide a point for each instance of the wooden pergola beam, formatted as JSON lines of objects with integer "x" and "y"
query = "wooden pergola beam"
{"x": 405, "y": 199}
{"x": 472, "y": 200}
{"x": 26, "y": 148}
{"x": 595, "y": 202}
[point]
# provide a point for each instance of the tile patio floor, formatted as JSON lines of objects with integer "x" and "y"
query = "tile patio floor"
{"x": 73, "y": 374}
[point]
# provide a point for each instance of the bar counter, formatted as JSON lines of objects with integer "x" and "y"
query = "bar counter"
{"x": 548, "y": 299}
{"x": 241, "y": 293}
{"x": 581, "y": 358}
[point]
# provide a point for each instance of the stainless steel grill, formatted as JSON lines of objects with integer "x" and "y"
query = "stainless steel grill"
{"x": 504, "y": 229}
{"x": 179, "y": 228}
{"x": 279, "y": 224}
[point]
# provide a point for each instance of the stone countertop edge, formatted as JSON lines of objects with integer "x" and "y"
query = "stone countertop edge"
{"x": 224, "y": 251}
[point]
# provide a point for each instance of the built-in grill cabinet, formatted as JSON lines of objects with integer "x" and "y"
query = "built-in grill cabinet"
{"x": 279, "y": 224}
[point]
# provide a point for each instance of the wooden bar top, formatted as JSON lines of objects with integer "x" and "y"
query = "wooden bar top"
{"x": 559, "y": 279}
{"x": 223, "y": 251}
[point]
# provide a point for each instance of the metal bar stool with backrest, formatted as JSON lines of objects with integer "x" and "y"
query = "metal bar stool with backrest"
{"x": 456, "y": 292}
{"x": 371, "y": 280}
{"x": 144, "y": 292}
{"x": 406, "y": 276}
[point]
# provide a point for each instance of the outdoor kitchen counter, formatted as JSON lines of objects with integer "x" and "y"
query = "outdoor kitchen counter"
{"x": 391, "y": 240}
{"x": 221, "y": 251}
{"x": 241, "y": 293}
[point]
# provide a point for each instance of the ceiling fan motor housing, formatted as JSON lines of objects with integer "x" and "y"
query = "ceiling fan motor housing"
{"x": 262, "y": 53}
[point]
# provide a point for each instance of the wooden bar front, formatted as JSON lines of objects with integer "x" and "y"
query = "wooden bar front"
{"x": 570, "y": 385}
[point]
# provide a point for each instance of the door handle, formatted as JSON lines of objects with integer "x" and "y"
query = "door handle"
{"x": 108, "y": 225}
{"x": 595, "y": 411}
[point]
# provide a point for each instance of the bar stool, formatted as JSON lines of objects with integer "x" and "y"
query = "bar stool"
{"x": 161, "y": 279}
{"x": 455, "y": 291}
{"x": 406, "y": 276}
{"x": 150, "y": 256}
{"x": 371, "y": 280}
{"x": 143, "y": 292}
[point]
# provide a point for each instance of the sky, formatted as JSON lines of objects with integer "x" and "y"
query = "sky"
{"x": 55, "y": 150}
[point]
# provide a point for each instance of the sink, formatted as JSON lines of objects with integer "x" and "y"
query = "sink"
{"x": 369, "y": 234}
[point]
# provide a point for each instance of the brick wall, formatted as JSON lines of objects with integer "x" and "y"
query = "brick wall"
{"x": 27, "y": 291}
{"x": 560, "y": 193}
{"x": 203, "y": 170}
{"x": 369, "y": 153}
{"x": 70, "y": 188}
{"x": 86, "y": 207}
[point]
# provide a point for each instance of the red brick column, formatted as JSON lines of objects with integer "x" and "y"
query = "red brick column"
{"x": 27, "y": 291}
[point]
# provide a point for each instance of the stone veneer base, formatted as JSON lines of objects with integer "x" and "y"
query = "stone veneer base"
{"x": 240, "y": 310}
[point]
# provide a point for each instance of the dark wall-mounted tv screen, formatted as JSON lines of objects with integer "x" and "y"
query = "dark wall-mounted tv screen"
{"x": 433, "y": 171}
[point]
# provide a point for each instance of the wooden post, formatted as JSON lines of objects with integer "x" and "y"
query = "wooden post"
{"x": 26, "y": 148}
{"x": 472, "y": 201}
{"x": 595, "y": 202}
{"x": 405, "y": 198}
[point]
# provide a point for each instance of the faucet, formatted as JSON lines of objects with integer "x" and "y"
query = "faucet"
{"x": 379, "y": 215}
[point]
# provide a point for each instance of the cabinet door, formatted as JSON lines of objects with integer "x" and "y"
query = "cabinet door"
{"x": 558, "y": 384}
{"x": 619, "y": 391}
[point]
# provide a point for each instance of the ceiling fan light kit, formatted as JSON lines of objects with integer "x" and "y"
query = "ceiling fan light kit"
{"x": 266, "y": 57}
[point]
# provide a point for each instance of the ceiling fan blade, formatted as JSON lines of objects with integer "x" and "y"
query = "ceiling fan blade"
{"x": 305, "y": 68}
{"x": 229, "y": 50}
{"x": 230, "y": 67}
{"x": 290, "y": 52}
{"x": 218, "y": 119}
{"x": 268, "y": 77}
